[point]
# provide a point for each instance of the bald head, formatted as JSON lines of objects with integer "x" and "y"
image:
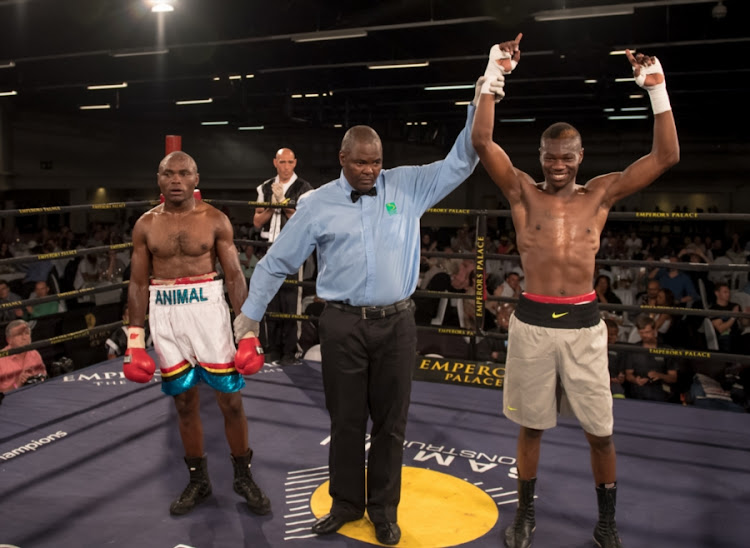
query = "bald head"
{"x": 360, "y": 135}
{"x": 285, "y": 161}
{"x": 179, "y": 156}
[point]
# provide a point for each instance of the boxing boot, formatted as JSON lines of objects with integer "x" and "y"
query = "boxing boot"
{"x": 521, "y": 532}
{"x": 244, "y": 485}
{"x": 605, "y": 532}
{"x": 197, "y": 490}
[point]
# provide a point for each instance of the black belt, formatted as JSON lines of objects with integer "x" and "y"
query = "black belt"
{"x": 373, "y": 312}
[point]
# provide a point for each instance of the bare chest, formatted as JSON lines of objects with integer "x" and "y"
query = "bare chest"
{"x": 180, "y": 237}
{"x": 576, "y": 217}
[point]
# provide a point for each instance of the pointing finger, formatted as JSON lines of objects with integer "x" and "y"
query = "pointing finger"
{"x": 630, "y": 57}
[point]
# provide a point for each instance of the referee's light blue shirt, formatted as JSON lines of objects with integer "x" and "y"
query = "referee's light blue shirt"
{"x": 368, "y": 251}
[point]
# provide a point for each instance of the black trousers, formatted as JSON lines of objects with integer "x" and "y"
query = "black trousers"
{"x": 281, "y": 335}
{"x": 367, "y": 369}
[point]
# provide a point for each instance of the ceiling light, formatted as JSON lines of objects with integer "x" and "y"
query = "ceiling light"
{"x": 109, "y": 86}
{"x": 8, "y": 93}
{"x": 338, "y": 125}
{"x": 329, "y": 35}
{"x": 249, "y": 75}
{"x": 462, "y": 103}
{"x": 583, "y": 13}
{"x": 94, "y": 107}
{"x": 632, "y": 109}
{"x": 217, "y": 78}
{"x": 399, "y": 65}
{"x": 629, "y": 117}
{"x": 162, "y": 6}
{"x": 443, "y": 88}
{"x": 297, "y": 96}
{"x": 515, "y": 120}
{"x": 235, "y": 77}
{"x": 312, "y": 95}
{"x": 589, "y": 81}
{"x": 216, "y": 123}
{"x": 138, "y": 52}
{"x": 618, "y": 52}
{"x": 250, "y": 128}
{"x": 7, "y": 64}
{"x": 624, "y": 79}
{"x": 194, "y": 101}
{"x": 609, "y": 110}
{"x": 636, "y": 96}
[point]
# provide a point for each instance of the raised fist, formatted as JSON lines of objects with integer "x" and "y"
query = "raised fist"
{"x": 494, "y": 85}
{"x": 647, "y": 70}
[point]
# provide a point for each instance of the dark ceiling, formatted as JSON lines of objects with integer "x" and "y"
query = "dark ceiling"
{"x": 59, "y": 47}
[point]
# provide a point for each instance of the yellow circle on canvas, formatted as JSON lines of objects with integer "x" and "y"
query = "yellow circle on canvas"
{"x": 436, "y": 511}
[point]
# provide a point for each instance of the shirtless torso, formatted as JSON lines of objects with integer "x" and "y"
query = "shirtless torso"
{"x": 180, "y": 238}
{"x": 558, "y": 238}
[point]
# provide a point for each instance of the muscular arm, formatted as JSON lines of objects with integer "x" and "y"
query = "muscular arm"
{"x": 665, "y": 152}
{"x": 493, "y": 158}
{"x": 665, "y": 147}
{"x": 140, "y": 265}
{"x": 230, "y": 263}
{"x": 262, "y": 216}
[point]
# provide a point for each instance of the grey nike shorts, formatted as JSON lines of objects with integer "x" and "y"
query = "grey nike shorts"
{"x": 550, "y": 368}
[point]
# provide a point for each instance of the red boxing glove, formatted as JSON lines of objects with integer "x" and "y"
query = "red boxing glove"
{"x": 138, "y": 366}
{"x": 249, "y": 358}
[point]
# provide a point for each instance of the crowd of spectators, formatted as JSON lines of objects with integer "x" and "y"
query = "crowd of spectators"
{"x": 641, "y": 375}
{"x": 664, "y": 286}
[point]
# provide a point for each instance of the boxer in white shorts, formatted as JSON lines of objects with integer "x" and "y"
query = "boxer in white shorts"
{"x": 191, "y": 327}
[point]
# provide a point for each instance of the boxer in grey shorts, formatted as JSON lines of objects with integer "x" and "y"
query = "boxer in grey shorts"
{"x": 559, "y": 223}
{"x": 561, "y": 340}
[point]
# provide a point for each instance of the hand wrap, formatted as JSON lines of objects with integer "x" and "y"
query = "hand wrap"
{"x": 657, "y": 87}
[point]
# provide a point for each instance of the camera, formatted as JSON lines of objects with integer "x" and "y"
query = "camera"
{"x": 60, "y": 367}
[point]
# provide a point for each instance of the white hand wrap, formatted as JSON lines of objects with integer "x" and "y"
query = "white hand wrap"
{"x": 494, "y": 68}
{"x": 658, "y": 92}
{"x": 136, "y": 337}
{"x": 495, "y": 86}
{"x": 244, "y": 326}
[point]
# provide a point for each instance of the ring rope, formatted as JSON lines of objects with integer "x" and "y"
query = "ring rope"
{"x": 613, "y": 215}
{"x": 61, "y": 338}
{"x": 64, "y": 295}
{"x": 479, "y": 258}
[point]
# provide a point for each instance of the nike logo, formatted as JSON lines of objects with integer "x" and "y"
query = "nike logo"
{"x": 512, "y": 408}
{"x": 556, "y": 315}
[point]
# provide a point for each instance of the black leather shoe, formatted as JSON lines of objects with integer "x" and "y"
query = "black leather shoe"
{"x": 388, "y": 532}
{"x": 328, "y": 524}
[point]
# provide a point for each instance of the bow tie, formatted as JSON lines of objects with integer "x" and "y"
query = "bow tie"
{"x": 356, "y": 194}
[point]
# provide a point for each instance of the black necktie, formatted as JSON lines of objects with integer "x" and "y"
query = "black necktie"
{"x": 356, "y": 194}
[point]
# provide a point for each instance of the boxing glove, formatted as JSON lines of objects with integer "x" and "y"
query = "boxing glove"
{"x": 249, "y": 358}
{"x": 138, "y": 366}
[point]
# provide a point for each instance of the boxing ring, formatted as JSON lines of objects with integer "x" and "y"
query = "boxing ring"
{"x": 91, "y": 459}
{"x": 88, "y": 458}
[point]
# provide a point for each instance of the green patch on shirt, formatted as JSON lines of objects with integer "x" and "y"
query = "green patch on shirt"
{"x": 391, "y": 208}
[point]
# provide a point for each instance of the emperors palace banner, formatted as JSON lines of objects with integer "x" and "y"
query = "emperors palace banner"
{"x": 459, "y": 371}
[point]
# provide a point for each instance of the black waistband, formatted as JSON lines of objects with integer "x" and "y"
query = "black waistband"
{"x": 373, "y": 312}
{"x": 562, "y": 316}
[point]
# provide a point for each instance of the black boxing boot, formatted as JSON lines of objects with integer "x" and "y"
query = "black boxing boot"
{"x": 521, "y": 532}
{"x": 197, "y": 490}
{"x": 244, "y": 485}
{"x": 605, "y": 532}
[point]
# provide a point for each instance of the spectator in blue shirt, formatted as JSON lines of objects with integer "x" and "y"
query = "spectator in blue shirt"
{"x": 364, "y": 227}
{"x": 678, "y": 282}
